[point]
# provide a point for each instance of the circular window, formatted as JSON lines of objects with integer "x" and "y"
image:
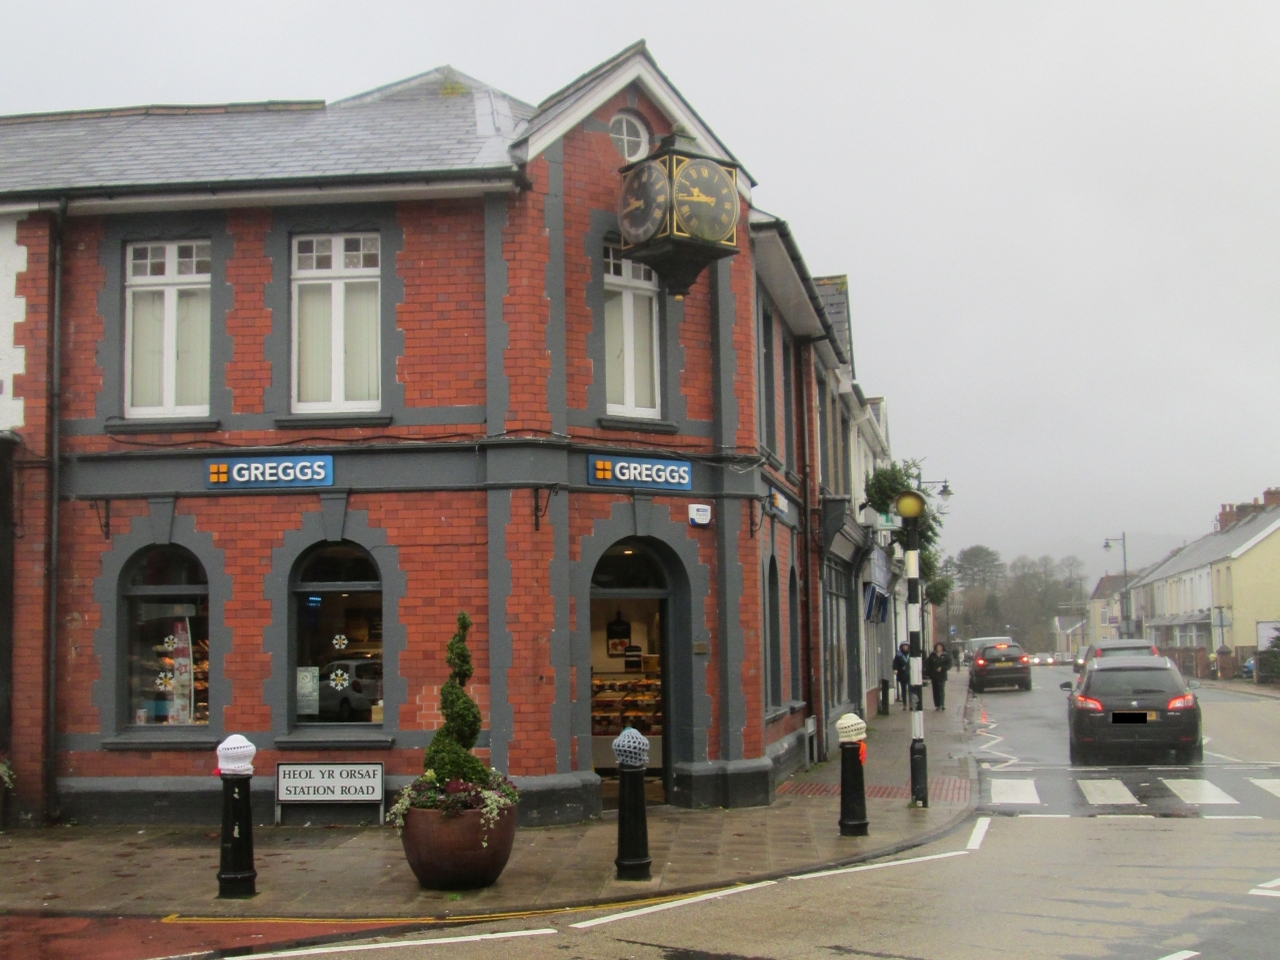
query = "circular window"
{"x": 629, "y": 136}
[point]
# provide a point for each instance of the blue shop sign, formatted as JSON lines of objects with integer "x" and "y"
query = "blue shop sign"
{"x": 608, "y": 470}
{"x": 235, "y": 473}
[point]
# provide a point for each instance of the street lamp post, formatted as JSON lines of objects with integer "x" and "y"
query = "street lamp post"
{"x": 1126, "y": 628}
{"x": 910, "y": 507}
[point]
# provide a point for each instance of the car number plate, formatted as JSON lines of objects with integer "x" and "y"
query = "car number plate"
{"x": 1133, "y": 716}
{"x": 1002, "y": 664}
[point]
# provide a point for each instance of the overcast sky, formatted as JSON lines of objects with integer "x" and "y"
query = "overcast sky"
{"x": 1060, "y": 221}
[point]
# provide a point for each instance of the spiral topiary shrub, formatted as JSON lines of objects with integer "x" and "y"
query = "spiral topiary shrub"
{"x": 453, "y": 778}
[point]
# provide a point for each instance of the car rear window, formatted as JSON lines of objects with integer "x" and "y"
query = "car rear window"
{"x": 1002, "y": 650}
{"x": 1133, "y": 683}
{"x": 1137, "y": 651}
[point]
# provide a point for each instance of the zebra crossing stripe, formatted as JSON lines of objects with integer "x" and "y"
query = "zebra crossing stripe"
{"x": 1199, "y": 792}
{"x": 1271, "y": 786}
{"x": 1014, "y": 791}
{"x": 1110, "y": 793}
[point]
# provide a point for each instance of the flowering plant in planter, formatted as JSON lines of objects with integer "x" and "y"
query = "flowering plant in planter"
{"x": 454, "y": 780}
{"x": 6, "y": 772}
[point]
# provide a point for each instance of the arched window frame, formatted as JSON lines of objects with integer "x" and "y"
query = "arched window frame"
{"x": 129, "y": 594}
{"x": 300, "y": 588}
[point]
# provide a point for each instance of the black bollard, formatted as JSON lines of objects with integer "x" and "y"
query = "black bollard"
{"x": 883, "y": 707}
{"x": 919, "y": 774}
{"x": 236, "y": 875}
{"x": 853, "y": 791}
{"x": 633, "y": 828}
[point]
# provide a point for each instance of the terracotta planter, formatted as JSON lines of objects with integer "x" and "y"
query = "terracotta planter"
{"x": 448, "y": 853}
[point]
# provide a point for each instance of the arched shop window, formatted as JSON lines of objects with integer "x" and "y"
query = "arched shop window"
{"x": 165, "y": 595}
{"x": 337, "y": 624}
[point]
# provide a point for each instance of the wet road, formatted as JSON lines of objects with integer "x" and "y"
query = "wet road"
{"x": 1058, "y": 865}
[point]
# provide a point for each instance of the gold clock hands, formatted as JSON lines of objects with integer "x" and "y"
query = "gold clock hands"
{"x": 634, "y": 205}
{"x": 697, "y": 197}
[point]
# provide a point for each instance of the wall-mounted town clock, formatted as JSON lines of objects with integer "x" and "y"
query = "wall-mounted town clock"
{"x": 678, "y": 212}
{"x": 645, "y": 202}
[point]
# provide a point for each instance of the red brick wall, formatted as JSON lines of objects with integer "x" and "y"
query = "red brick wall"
{"x": 442, "y": 539}
{"x": 526, "y": 308}
{"x": 530, "y": 619}
{"x": 82, "y": 279}
{"x": 81, "y": 547}
{"x": 249, "y": 320}
{"x": 31, "y": 518}
{"x": 443, "y": 314}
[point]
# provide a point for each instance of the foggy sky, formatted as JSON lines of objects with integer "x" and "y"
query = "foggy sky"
{"x": 1060, "y": 221}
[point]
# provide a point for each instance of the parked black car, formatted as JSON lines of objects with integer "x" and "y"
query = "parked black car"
{"x": 1000, "y": 664}
{"x": 1130, "y": 704}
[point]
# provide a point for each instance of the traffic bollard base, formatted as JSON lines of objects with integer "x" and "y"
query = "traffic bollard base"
{"x": 634, "y": 869}
{"x": 237, "y": 886}
{"x": 919, "y": 774}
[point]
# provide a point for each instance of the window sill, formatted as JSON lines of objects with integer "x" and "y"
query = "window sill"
{"x": 365, "y": 736}
{"x": 795, "y": 706}
{"x": 305, "y": 421}
{"x": 161, "y": 740}
{"x": 639, "y": 425}
{"x": 776, "y": 713}
{"x": 165, "y": 425}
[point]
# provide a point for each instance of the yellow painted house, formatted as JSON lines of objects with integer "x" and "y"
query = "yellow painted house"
{"x": 1223, "y": 589}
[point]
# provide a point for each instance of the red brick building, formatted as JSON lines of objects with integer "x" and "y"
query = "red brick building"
{"x": 309, "y": 379}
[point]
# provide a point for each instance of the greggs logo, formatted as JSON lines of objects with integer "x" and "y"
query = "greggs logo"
{"x": 610, "y": 471}
{"x": 314, "y": 471}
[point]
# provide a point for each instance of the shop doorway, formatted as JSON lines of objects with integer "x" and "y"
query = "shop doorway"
{"x": 629, "y": 636}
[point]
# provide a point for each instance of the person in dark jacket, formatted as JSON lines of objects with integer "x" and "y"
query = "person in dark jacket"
{"x": 902, "y": 670}
{"x": 936, "y": 666}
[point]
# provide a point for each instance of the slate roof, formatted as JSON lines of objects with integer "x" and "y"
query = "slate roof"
{"x": 1110, "y": 585}
{"x": 440, "y": 123}
{"x": 1214, "y": 546}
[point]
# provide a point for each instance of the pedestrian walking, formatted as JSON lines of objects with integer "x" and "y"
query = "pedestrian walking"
{"x": 902, "y": 670}
{"x": 936, "y": 666}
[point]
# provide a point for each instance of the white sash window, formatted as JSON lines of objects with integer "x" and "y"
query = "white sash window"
{"x": 630, "y": 337}
{"x": 337, "y": 357}
{"x": 167, "y": 329}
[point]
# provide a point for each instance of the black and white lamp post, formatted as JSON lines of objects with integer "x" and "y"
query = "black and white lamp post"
{"x": 910, "y": 507}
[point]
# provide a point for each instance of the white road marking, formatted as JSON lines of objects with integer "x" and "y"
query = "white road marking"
{"x": 979, "y": 831}
{"x": 1225, "y": 817}
{"x": 671, "y": 905}
{"x": 1271, "y": 786}
{"x": 1014, "y": 791}
{"x": 393, "y": 944}
{"x": 1259, "y": 892}
{"x": 1112, "y": 793}
{"x": 1180, "y": 955}
{"x": 1269, "y": 885}
{"x": 1044, "y": 816}
{"x": 1124, "y": 816}
{"x": 875, "y": 866}
{"x": 1199, "y": 792}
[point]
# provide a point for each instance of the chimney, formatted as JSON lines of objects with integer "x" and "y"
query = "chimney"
{"x": 1226, "y": 516}
{"x": 1271, "y": 497}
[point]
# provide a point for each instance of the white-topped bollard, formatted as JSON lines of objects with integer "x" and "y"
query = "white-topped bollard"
{"x": 236, "y": 875}
{"x": 631, "y": 750}
{"x": 852, "y": 732}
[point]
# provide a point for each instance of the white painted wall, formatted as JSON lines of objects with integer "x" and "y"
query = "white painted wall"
{"x": 13, "y": 310}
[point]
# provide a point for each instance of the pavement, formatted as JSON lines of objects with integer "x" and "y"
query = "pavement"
{"x": 1240, "y": 685}
{"x": 134, "y": 892}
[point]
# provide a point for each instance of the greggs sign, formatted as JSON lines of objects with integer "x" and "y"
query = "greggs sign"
{"x": 242, "y": 472}
{"x": 614, "y": 471}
